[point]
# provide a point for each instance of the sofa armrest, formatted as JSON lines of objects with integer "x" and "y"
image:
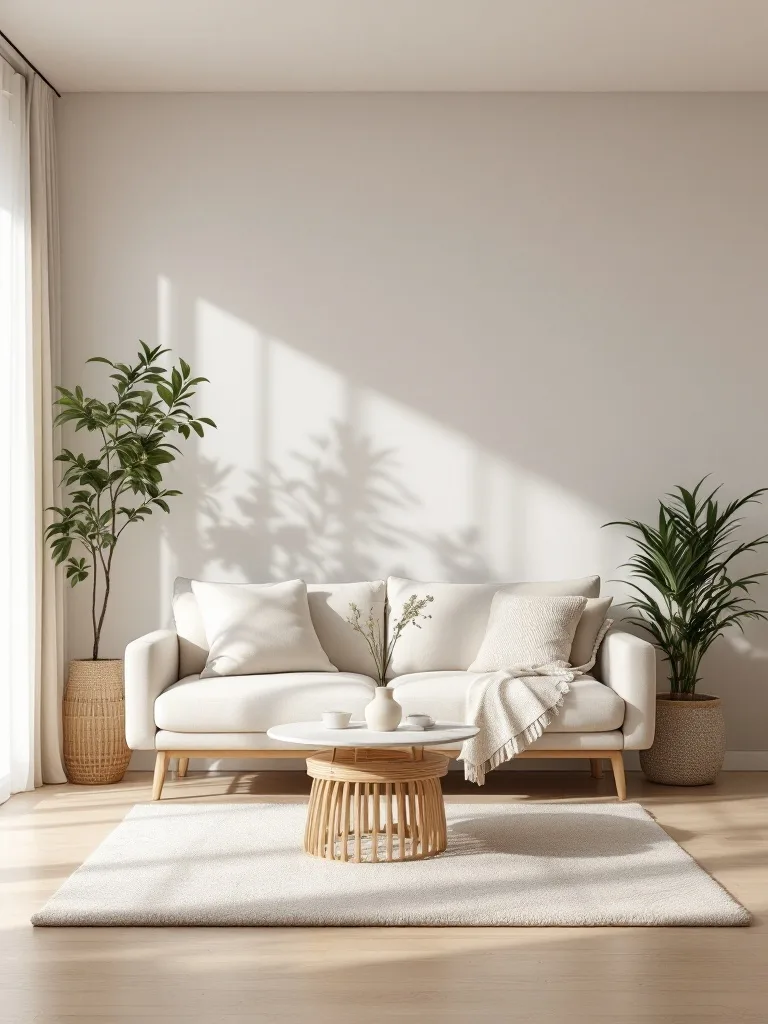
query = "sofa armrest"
{"x": 627, "y": 664}
{"x": 151, "y": 665}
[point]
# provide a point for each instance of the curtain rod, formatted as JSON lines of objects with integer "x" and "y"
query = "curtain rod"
{"x": 29, "y": 62}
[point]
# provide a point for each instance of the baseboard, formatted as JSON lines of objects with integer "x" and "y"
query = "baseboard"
{"x": 746, "y": 761}
{"x": 735, "y": 761}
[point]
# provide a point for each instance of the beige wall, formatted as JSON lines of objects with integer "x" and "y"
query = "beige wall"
{"x": 448, "y": 336}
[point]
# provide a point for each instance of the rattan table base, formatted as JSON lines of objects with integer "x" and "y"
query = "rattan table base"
{"x": 371, "y": 805}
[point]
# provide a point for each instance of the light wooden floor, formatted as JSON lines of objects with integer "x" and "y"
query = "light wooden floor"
{"x": 190, "y": 976}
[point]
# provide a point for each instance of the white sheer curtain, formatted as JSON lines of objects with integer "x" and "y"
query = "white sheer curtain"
{"x": 30, "y": 616}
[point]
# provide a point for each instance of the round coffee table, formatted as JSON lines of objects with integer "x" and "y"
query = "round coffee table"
{"x": 375, "y": 796}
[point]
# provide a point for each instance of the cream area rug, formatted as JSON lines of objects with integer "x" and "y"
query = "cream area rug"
{"x": 506, "y": 864}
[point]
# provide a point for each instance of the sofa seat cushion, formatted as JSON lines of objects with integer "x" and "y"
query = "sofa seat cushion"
{"x": 254, "y": 703}
{"x": 589, "y": 706}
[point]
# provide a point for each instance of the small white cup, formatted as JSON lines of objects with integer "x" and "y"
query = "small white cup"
{"x": 336, "y": 719}
{"x": 420, "y": 721}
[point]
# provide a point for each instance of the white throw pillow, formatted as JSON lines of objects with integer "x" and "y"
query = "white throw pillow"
{"x": 526, "y": 631}
{"x": 592, "y": 627}
{"x": 450, "y": 639}
{"x": 328, "y": 607}
{"x": 259, "y": 628}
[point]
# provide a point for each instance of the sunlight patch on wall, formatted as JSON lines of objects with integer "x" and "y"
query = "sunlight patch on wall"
{"x": 311, "y": 474}
{"x": 562, "y": 532}
{"x": 302, "y": 398}
{"x": 231, "y": 353}
{"x": 473, "y": 515}
{"x": 435, "y": 469}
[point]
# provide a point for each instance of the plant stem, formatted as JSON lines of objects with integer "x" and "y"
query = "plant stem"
{"x": 93, "y": 612}
{"x": 97, "y": 633}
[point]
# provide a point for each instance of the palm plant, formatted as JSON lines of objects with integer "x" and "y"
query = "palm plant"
{"x": 122, "y": 483}
{"x": 687, "y": 560}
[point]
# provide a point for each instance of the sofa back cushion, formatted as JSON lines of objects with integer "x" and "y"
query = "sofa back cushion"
{"x": 328, "y": 608}
{"x": 592, "y": 627}
{"x": 450, "y": 640}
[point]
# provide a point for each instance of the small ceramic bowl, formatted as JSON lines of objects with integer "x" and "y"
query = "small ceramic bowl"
{"x": 336, "y": 719}
{"x": 420, "y": 721}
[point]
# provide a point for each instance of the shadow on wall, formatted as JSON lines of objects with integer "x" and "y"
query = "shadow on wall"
{"x": 331, "y": 519}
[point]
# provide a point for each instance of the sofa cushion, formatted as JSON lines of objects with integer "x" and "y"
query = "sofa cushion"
{"x": 589, "y": 706}
{"x": 328, "y": 607}
{"x": 254, "y": 703}
{"x": 525, "y": 631}
{"x": 259, "y": 628}
{"x": 451, "y": 639}
{"x": 592, "y": 627}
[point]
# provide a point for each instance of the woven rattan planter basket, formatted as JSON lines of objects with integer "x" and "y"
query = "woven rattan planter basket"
{"x": 689, "y": 746}
{"x": 95, "y": 751}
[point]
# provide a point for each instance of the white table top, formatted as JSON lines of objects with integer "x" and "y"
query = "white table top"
{"x": 315, "y": 734}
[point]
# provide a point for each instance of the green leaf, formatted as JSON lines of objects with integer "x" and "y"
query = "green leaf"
{"x": 159, "y": 457}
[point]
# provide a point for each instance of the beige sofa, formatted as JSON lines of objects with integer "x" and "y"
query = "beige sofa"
{"x": 171, "y": 710}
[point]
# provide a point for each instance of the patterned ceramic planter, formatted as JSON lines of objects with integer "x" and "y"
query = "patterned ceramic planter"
{"x": 689, "y": 746}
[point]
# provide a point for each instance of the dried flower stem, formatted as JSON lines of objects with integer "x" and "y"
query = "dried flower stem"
{"x": 368, "y": 628}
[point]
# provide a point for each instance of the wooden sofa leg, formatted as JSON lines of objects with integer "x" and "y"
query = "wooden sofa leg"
{"x": 596, "y": 767}
{"x": 183, "y": 765}
{"x": 617, "y": 763}
{"x": 161, "y": 766}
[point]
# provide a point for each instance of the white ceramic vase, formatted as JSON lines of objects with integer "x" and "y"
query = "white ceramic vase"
{"x": 383, "y": 714}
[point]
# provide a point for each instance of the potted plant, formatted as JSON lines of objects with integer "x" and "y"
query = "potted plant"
{"x": 121, "y": 483}
{"x": 687, "y": 558}
{"x": 383, "y": 713}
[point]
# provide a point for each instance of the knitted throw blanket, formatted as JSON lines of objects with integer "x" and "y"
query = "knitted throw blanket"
{"x": 512, "y": 708}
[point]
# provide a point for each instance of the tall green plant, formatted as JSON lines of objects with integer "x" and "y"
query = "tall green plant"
{"x": 687, "y": 560}
{"x": 122, "y": 483}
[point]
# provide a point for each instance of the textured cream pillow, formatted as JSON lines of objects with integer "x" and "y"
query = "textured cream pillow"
{"x": 259, "y": 628}
{"x": 590, "y": 631}
{"x": 526, "y": 631}
{"x": 451, "y": 638}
